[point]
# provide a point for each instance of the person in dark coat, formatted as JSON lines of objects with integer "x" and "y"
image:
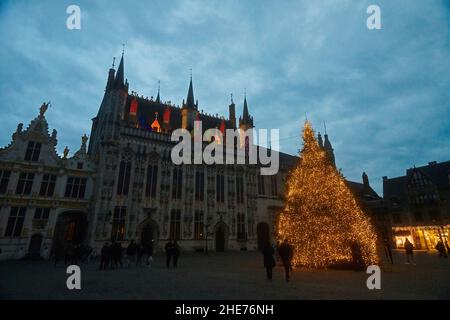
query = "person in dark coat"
{"x": 388, "y": 250}
{"x": 409, "y": 249}
{"x": 286, "y": 252}
{"x": 131, "y": 253}
{"x": 440, "y": 247}
{"x": 149, "y": 253}
{"x": 59, "y": 252}
{"x": 69, "y": 256}
{"x": 119, "y": 254}
{"x": 139, "y": 253}
{"x": 358, "y": 262}
{"x": 169, "y": 252}
{"x": 105, "y": 256}
{"x": 269, "y": 260}
{"x": 176, "y": 253}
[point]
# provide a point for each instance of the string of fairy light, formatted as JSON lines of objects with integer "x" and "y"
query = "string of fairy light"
{"x": 321, "y": 218}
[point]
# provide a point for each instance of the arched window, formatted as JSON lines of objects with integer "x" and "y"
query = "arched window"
{"x": 124, "y": 175}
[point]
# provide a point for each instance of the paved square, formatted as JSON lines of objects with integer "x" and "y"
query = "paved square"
{"x": 230, "y": 275}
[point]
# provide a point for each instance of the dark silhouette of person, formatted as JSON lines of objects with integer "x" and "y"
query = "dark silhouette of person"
{"x": 286, "y": 252}
{"x": 440, "y": 247}
{"x": 139, "y": 253}
{"x": 148, "y": 248}
{"x": 78, "y": 253}
{"x": 358, "y": 262}
{"x": 119, "y": 254}
{"x": 169, "y": 252}
{"x": 69, "y": 256}
{"x": 131, "y": 253}
{"x": 409, "y": 249}
{"x": 388, "y": 250}
{"x": 176, "y": 253}
{"x": 113, "y": 255}
{"x": 269, "y": 260}
{"x": 59, "y": 252}
{"x": 105, "y": 256}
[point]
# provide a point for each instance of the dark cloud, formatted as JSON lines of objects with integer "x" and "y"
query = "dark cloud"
{"x": 384, "y": 94}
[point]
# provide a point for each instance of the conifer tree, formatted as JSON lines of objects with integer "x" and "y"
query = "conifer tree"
{"x": 322, "y": 219}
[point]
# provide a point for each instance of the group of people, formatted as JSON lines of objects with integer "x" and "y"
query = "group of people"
{"x": 72, "y": 253}
{"x": 111, "y": 255}
{"x": 136, "y": 254}
{"x": 285, "y": 251}
{"x": 409, "y": 250}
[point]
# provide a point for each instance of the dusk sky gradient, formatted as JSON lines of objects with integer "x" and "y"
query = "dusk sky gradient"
{"x": 384, "y": 94}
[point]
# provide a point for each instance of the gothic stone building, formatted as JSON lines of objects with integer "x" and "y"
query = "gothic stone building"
{"x": 140, "y": 194}
{"x": 125, "y": 187}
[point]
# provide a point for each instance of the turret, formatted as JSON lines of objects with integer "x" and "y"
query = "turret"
{"x": 189, "y": 109}
{"x": 319, "y": 140}
{"x": 329, "y": 150}
{"x": 246, "y": 121}
{"x": 232, "y": 113}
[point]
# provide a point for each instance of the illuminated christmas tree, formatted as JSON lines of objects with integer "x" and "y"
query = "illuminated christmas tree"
{"x": 322, "y": 219}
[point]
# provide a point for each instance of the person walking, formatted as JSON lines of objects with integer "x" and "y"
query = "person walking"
{"x": 105, "y": 256}
{"x": 440, "y": 247}
{"x": 176, "y": 253}
{"x": 119, "y": 254}
{"x": 286, "y": 252}
{"x": 388, "y": 250}
{"x": 69, "y": 256}
{"x": 269, "y": 260}
{"x": 139, "y": 253}
{"x": 149, "y": 252}
{"x": 59, "y": 252}
{"x": 358, "y": 262}
{"x": 130, "y": 253}
{"x": 169, "y": 252}
{"x": 409, "y": 249}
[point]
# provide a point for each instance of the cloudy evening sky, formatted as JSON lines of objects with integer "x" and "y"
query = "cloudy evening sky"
{"x": 384, "y": 94}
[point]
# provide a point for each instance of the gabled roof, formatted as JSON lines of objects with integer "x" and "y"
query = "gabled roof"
{"x": 436, "y": 172}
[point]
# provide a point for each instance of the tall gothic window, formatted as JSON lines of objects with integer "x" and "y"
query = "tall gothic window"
{"x": 177, "y": 183}
{"x": 199, "y": 185}
{"x": 48, "y": 185}
{"x": 75, "y": 187}
{"x": 118, "y": 225}
{"x": 124, "y": 177}
{"x": 4, "y": 180}
{"x": 15, "y": 222}
{"x": 25, "y": 183}
{"x": 41, "y": 213}
{"x": 241, "y": 226}
{"x": 152, "y": 178}
{"x": 240, "y": 189}
{"x": 274, "y": 185}
{"x": 198, "y": 225}
{"x": 220, "y": 187}
{"x": 33, "y": 151}
{"x": 261, "y": 187}
{"x": 175, "y": 224}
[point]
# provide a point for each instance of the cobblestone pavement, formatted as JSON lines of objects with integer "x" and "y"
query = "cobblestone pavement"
{"x": 230, "y": 275}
